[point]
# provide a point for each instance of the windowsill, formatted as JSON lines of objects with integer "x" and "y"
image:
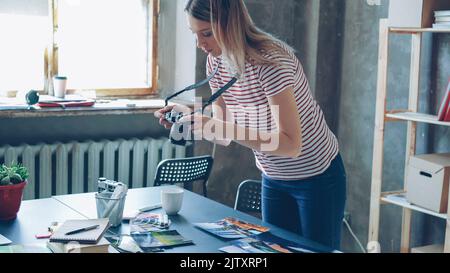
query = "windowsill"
{"x": 101, "y": 107}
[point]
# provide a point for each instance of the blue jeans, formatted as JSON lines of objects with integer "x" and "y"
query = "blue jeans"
{"x": 312, "y": 207}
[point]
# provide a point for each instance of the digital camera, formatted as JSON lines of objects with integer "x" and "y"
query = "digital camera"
{"x": 180, "y": 133}
{"x": 173, "y": 116}
{"x": 104, "y": 184}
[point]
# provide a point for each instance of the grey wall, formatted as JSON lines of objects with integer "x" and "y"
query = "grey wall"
{"x": 317, "y": 38}
{"x": 357, "y": 105}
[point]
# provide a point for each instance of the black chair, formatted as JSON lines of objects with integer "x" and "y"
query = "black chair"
{"x": 248, "y": 198}
{"x": 184, "y": 170}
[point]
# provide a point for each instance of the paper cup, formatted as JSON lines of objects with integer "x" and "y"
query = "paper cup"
{"x": 59, "y": 86}
{"x": 171, "y": 200}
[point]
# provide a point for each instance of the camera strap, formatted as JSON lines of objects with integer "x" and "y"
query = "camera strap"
{"x": 219, "y": 92}
{"x": 211, "y": 99}
{"x": 193, "y": 86}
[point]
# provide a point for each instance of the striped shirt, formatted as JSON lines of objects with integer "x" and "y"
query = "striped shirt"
{"x": 247, "y": 100}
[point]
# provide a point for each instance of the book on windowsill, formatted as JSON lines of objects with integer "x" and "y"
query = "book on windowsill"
{"x": 67, "y": 101}
{"x": 103, "y": 246}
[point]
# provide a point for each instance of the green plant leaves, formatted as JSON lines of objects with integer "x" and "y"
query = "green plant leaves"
{"x": 5, "y": 181}
{"x": 14, "y": 174}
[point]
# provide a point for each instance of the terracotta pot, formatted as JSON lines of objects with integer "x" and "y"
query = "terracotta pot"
{"x": 10, "y": 200}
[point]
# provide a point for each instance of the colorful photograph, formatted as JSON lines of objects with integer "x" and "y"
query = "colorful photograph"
{"x": 232, "y": 228}
{"x": 166, "y": 238}
{"x": 268, "y": 243}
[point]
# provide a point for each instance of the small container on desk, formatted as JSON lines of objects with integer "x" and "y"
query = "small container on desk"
{"x": 110, "y": 207}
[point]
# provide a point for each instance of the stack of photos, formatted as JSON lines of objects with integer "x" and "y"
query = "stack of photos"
{"x": 232, "y": 228}
{"x": 265, "y": 243}
{"x": 160, "y": 239}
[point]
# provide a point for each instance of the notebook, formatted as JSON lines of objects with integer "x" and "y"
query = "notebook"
{"x": 85, "y": 237}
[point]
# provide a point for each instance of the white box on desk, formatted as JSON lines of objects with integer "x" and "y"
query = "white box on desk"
{"x": 415, "y": 13}
{"x": 428, "y": 181}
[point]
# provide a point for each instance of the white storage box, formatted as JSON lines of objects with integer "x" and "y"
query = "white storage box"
{"x": 428, "y": 181}
{"x": 415, "y": 13}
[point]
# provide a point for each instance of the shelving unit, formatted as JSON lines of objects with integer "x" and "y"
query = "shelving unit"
{"x": 416, "y": 117}
{"x": 412, "y": 117}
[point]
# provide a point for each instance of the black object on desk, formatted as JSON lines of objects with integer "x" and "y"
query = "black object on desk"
{"x": 81, "y": 230}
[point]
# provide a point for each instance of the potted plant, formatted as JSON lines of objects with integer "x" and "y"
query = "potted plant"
{"x": 12, "y": 182}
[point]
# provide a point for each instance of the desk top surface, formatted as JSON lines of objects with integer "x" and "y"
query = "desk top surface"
{"x": 34, "y": 217}
{"x": 195, "y": 209}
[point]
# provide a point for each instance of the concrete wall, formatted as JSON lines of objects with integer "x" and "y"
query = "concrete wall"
{"x": 27, "y": 7}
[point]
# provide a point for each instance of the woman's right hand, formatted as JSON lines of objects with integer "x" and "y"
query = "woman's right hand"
{"x": 161, "y": 113}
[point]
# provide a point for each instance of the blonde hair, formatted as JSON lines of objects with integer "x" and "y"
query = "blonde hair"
{"x": 235, "y": 32}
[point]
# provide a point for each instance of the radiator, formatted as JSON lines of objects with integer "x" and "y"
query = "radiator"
{"x": 64, "y": 168}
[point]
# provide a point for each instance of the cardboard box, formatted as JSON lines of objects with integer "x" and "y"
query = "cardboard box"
{"x": 428, "y": 249}
{"x": 428, "y": 181}
{"x": 415, "y": 13}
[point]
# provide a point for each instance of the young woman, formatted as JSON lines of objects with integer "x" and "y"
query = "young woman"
{"x": 271, "y": 110}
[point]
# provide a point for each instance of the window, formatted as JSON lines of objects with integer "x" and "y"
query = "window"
{"x": 24, "y": 36}
{"x": 103, "y": 45}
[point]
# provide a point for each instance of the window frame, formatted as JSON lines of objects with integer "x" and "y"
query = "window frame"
{"x": 51, "y": 59}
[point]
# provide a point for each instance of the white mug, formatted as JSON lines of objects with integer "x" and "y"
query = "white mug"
{"x": 171, "y": 200}
{"x": 59, "y": 86}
